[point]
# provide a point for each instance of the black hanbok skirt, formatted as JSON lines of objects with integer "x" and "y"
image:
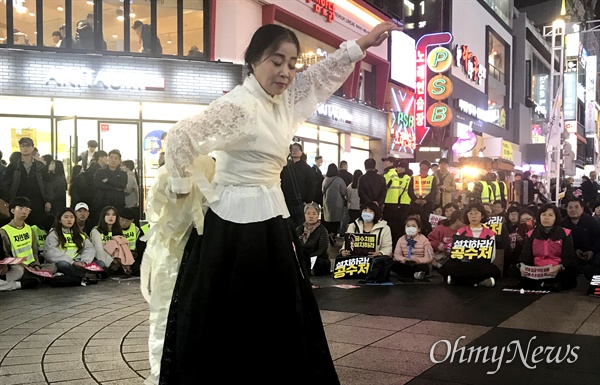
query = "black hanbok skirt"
{"x": 243, "y": 310}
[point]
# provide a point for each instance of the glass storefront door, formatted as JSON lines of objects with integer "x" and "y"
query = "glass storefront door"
{"x": 122, "y": 136}
{"x": 65, "y": 149}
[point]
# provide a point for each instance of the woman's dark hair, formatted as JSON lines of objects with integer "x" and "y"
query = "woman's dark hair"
{"x": 78, "y": 237}
{"x": 103, "y": 226}
{"x": 547, "y": 207}
{"x": 527, "y": 211}
{"x": 59, "y": 168}
{"x": 265, "y": 42}
{"x": 512, "y": 209}
{"x": 332, "y": 170}
{"x": 77, "y": 169}
{"x": 447, "y": 205}
{"x": 48, "y": 159}
{"x": 129, "y": 164}
{"x": 14, "y": 157}
{"x": 479, "y": 207}
{"x": 373, "y": 207}
{"x": 417, "y": 220}
{"x": 355, "y": 178}
{"x": 457, "y": 215}
{"x": 46, "y": 222}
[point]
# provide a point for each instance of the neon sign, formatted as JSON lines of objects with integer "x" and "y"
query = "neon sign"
{"x": 325, "y": 8}
{"x": 437, "y": 61}
{"x": 402, "y": 122}
{"x": 470, "y": 63}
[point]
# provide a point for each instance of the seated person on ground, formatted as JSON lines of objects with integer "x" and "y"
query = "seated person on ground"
{"x": 108, "y": 226}
{"x": 549, "y": 244}
{"x": 585, "y": 231}
{"x": 133, "y": 234}
{"x": 314, "y": 239}
{"x": 70, "y": 249}
{"x": 413, "y": 254}
{"x": 477, "y": 271}
{"x": 441, "y": 237}
{"x": 371, "y": 222}
{"x": 41, "y": 231}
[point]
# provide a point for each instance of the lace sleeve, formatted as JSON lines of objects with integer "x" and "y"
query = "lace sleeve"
{"x": 219, "y": 127}
{"x": 315, "y": 85}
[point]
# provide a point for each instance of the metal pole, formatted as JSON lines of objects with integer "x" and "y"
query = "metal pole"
{"x": 553, "y": 98}
{"x": 562, "y": 115}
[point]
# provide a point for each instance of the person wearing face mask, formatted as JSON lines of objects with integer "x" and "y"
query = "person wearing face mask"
{"x": 516, "y": 239}
{"x": 441, "y": 237}
{"x": 413, "y": 254}
{"x": 477, "y": 272}
{"x": 549, "y": 244}
{"x": 371, "y": 222}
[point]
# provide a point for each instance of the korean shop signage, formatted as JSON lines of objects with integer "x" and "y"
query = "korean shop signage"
{"x": 475, "y": 71}
{"x": 335, "y": 113}
{"x": 325, "y": 8}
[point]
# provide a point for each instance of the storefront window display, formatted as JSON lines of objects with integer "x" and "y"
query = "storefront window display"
{"x": 497, "y": 79}
{"x": 181, "y": 36}
{"x": 14, "y": 128}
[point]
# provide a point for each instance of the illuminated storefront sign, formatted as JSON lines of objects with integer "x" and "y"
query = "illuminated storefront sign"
{"x": 507, "y": 150}
{"x": 470, "y": 64}
{"x": 541, "y": 96}
{"x": 571, "y": 126}
{"x": 470, "y": 109}
{"x": 570, "y": 96}
{"x": 325, "y": 8}
{"x": 590, "y": 97}
{"x": 402, "y": 122}
{"x": 103, "y": 78}
{"x": 439, "y": 60}
{"x": 336, "y": 113}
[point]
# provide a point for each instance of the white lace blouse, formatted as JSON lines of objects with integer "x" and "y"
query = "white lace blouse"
{"x": 250, "y": 132}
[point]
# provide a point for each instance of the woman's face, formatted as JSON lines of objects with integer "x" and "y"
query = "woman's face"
{"x": 513, "y": 217}
{"x": 437, "y": 211}
{"x": 276, "y": 72}
{"x": 525, "y": 218}
{"x": 110, "y": 217}
{"x": 474, "y": 216}
{"x": 449, "y": 211}
{"x": 547, "y": 218}
{"x": 67, "y": 219}
{"x": 597, "y": 211}
{"x": 311, "y": 216}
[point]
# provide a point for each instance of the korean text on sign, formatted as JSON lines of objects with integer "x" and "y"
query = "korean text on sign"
{"x": 471, "y": 249}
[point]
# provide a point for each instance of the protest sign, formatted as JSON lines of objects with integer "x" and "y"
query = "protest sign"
{"x": 351, "y": 267}
{"x": 435, "y": 220}
{"x": 360, "y": 244}
{"x": 472, "y": 249}
{"x": 495, "y": 224}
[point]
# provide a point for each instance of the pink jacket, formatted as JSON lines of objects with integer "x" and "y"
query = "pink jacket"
{"x": 118, "y": 247}
{"x": 422, "y": 252}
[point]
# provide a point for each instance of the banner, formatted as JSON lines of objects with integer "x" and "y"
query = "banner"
{"x": 590, "y": 97}
{"x": 495, "y": 224}
{"x": 360, "y": 244}
{"x": 537, "y": 272}
{"x": 351, "y": 267}
{"x": 555, "y": 128}
{"x": 472, "y": 249}
{"x": 435, "y": 220}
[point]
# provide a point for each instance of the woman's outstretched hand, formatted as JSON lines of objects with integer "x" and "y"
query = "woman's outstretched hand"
{"x": 377, "y": 35}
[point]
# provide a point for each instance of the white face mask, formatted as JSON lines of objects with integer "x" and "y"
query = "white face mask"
{"x": 410, "y": 231}
{"x": 367, "y": 216}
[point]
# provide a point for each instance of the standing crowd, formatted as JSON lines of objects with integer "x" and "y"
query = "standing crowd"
{"x": 44, "y": 240}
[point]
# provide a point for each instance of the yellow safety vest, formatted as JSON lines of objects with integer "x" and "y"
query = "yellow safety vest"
{"x": 498, "y": 192}
{"x": 21, "y": 242}
{"x": 485, "y": 192}
{"x": 404, "y": 184}
{"x": 392, "y": 181}
{"x": 131, "y": 235}
{"x": 422, "y": 186}
{"x": 105, "y": 237}
{"x": 40, "y": 236}
{"x": 145, "y": 228}
{"x": 70, "y": 247}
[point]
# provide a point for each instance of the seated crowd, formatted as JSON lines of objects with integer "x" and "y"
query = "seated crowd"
{"x": 66, "y": 249}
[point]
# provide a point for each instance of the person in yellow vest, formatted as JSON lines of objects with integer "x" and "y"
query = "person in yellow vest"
{"x": 133, "y": 234}
{"x": 404, "y": 199}
{"x": 69, "y": 248}
{"x": 41, "y": 230}
{"x": 422, "y": 190}
{"x": 108, "y": 226}
{"x": 18, "y": 241}
{"x": 391, "y": 205}
{"x": 483, "y": 191}
{"x": 499, "y": 188}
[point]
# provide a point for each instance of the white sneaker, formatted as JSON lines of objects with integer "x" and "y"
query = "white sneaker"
{"x": 449, "y": 280}
{"x": 420, "y": 275}
{"x": 488, "y": 282}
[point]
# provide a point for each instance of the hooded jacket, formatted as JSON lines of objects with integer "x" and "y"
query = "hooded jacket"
{"x": 381, "y": 229}
{"x": 542, "y": 249}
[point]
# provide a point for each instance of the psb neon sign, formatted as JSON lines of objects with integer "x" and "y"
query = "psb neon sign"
{"x": 439, "y": 60}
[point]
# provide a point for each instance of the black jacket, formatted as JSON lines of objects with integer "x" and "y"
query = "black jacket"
{"x": 318, "y": 176}
{"x": 304, "y": 181}
{"x": 346, "y": 176}
{"x": 372, "y": 188}
{"x": 317, "y": 243}
{"x": 586, "y": 233}
{"x": 589, "y": 191}
{"x": 147, "y": 41}
{"x": 111, "y": 192}
{"x": 11, "y": 178}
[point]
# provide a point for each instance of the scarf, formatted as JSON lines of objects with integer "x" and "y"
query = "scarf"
{"x": 308, "y": 229}
{"x": 411, "y": 242}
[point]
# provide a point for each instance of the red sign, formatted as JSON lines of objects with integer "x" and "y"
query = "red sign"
{"x": 104, "y": 127}
{"x": 325, "y": 8}
{"x": 422, "y": 45}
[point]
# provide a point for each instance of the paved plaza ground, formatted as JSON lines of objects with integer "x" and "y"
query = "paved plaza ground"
{"x": 377, "y": 334}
